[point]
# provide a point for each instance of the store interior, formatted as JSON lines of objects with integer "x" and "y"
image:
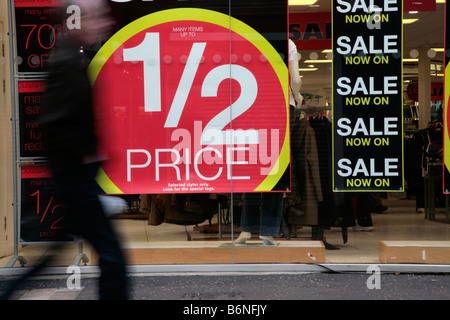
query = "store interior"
{"x": 406, "y": 216}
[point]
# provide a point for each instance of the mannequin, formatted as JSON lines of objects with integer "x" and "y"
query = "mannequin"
{"x": 295, "y": 97}
{"x": 263, "y": 212}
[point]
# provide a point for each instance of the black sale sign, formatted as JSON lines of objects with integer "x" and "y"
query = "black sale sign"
{"x": 367, "y": 95}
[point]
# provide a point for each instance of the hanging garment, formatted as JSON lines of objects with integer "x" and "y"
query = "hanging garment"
{"x": 305, "y": 174}
{"x": 180, "y": 209}
{"x": 332, "y": 211}
{"x": 322, "y": 130}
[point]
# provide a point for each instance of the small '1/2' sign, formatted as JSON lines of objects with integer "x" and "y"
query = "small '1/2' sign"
{"x": 42, "y": 216}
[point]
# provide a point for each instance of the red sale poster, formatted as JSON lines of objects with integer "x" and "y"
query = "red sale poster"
{"x": 42, "y": 216}
{"x": 191, "y": 100}
{"x": 36, "y": 31}
{"x": 31, "y": 106}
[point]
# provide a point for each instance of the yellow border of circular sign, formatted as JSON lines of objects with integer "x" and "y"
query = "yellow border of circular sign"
{"x": 213, "y": 17}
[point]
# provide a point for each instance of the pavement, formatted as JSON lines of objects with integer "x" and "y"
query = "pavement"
{"x": 251, "y": 287}
{"x": 231, "y": 286}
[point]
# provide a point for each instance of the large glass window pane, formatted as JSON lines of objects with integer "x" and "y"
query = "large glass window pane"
{"x": 381, "y": 226}
{"x": 215, "y": 161}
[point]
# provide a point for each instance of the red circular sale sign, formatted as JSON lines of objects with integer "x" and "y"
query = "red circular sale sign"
{"x": 191, "y": 100}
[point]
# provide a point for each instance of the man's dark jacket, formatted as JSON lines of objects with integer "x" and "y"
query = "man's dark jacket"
{"x": 68, "y": 119}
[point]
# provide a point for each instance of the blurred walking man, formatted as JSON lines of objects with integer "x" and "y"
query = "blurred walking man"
{"x": 69, "y": 125}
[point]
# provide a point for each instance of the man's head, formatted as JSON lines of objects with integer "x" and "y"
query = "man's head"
{"x": 95, "y": 22}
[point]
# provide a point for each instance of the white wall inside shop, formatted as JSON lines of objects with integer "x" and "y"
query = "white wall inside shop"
{"x": 6, "y": 158}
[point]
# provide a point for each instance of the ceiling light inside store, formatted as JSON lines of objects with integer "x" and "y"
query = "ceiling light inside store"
{"x": 410, "y": 60}
{"x": 318, "y": 61}
{"x": 302, "y": 2}
{"x": 408, "y": 21}
{"x": 307, "y": 69}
